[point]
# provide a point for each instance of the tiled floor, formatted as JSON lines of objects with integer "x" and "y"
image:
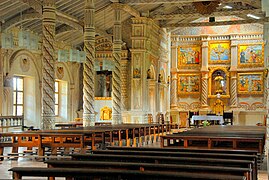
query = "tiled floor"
{"x": 7, "y": 164}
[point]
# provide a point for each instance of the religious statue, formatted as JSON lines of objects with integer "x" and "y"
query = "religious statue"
{"x": 7, "y": 80}
{"x": 219, "y": 83}
{"x": 218, "y": 107}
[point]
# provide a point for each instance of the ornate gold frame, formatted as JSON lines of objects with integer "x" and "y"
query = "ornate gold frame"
{"x": 195, "y": 47}
{"x": 211, "y": 44}
{"x": 259, "y": 58}
{"x": 243, "y": 86}
{"x": 182, "y": 89}
{"x": 225, "y": 70}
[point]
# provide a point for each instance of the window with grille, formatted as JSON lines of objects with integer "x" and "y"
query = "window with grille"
{"x": 18, "y": 91}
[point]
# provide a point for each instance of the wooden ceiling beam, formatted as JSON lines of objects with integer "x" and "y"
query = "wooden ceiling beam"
{"x": 144, "y": 2}
{"x": 218, "y": 23}
{"x": 214, "y": 14}
{"x": 126, "y": 8}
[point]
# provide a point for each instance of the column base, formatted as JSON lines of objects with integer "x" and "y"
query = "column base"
{"x": 88, "y": 120}
{"x": 116, "y": 119}
{"x": 48, "y": 122}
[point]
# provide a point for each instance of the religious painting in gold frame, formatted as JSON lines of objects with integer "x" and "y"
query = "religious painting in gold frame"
{"x": 219, "y": 52}
{"x": 251, "y": 55}
{"x": 250, "y": 83}
{"x": 189, "y": 84}
{"x": 189, "y": 56}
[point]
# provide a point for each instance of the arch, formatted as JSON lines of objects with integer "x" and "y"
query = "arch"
{"x": 26, "y": 53}
{"x": 212, "y": 72}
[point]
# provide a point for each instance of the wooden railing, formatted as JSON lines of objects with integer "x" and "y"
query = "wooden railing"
{"x": 7, "y": 122}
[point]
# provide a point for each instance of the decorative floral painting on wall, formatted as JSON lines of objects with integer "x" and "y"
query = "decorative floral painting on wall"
{"x": 250, "y": 55}
{"x": 189, "y": 55}
{"x": 188, "y": 84}
{"x": 250, "y": 83}
{"x": 219, "y": 52}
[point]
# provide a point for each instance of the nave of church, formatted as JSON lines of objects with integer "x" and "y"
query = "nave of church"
{"x": 131, "y": 68}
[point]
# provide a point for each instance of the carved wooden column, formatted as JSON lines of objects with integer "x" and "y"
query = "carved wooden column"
{"x": 88, "y": 72}
{"x": 233, "y": 69}
{"x": 1, "y": 81}
{"x": 48, "y": 61}
{"x": 204, "y": 70}
{"x": 116, "y": 76}
{"x": 266, "y": 83}
{"x": 173, "y": 90}
{"x": 124, "y": 75}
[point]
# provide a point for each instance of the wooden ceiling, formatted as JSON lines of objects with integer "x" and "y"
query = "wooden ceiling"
{"x": 170, "y": 14}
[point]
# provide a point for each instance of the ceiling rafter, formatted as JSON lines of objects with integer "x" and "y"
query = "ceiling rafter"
{"x": 126, "y": 8}
{"x": 142, "y": 2}
{"x": 218, "y": 23}
{"x": 198, "y": 15}
{"x": 19, "y": 19}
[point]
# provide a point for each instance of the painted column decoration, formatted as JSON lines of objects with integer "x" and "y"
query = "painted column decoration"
{"x": 48, "y": 61}
{"x": 174, "y": 90}
{"x": 204, "y": 71}
{"x": 124, "y": 74}
{"x": 204, "y": 90}
{"x": 88, "y": 71}
{"x": 233, "y": 99}
{"x": 1, "y": 82}
{"x": 116, "y": 76}
{"x": 266, "y": 83}
{"x": 233, "y": 69}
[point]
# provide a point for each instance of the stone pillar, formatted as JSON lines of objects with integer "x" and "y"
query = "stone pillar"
{"x": 124, "y": 75}
{"x": 88, "y": 71}
{"x": 204, "y": 54}
{"x": 233, "y": 69}
{"x": 116, "y": 76}
{"x": 48, "y": 61}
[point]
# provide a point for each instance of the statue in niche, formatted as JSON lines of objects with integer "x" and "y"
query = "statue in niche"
{"x": 136, "y": 73}
{"x": 104, "y": 82}
{"x": 219, "y": 83}
{"x": 106, "y": 113}
{"x": 149, "y": 74}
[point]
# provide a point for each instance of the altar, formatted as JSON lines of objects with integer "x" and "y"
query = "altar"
{"x": 207, "y": 118}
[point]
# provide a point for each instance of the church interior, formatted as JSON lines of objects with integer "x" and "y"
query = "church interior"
{"x": 151, "y": 67}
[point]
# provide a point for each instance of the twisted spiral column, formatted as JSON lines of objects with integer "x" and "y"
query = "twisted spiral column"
{"x": 116, "y": 80}
{"x": 88, "y": 72}
{"x": 124, "y": 74}
{"x": 204, "y": 91}
{"x": 233, "y": 92}
{"x": 48, "y": 62}
{"x": 174, "y": 91}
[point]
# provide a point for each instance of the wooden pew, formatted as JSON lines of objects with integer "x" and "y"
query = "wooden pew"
{"x": 184, "y": 154}
{"x": 164, "y": 160}
{"x": 19, "y": 172}
{"x": 150, "y": 167}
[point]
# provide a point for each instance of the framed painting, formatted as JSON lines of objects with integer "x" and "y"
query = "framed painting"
{"x": 189, "y": 56}
{"x": 251, "y": 55}
{"x": 250, "y": 83}
{"x": 219, "y": 52}
{"x": 189, "y": 84}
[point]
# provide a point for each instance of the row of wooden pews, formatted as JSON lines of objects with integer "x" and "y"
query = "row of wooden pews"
{"x": 219, "y": 137}
{"x": 149, "y": 163}
{"x": 83, "y": 137}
